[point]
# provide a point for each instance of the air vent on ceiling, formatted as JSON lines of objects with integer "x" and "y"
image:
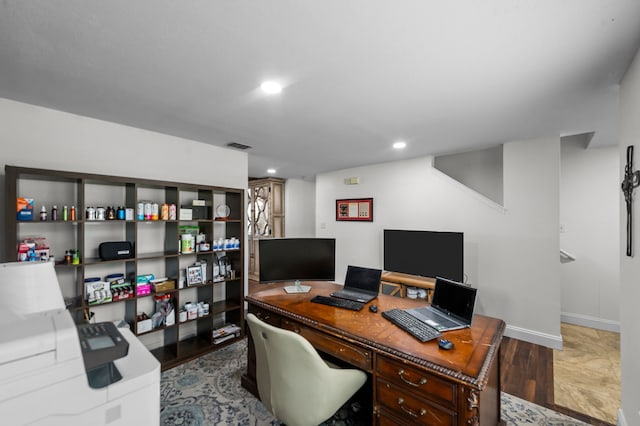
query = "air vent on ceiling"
{"x": 237, "y": 145}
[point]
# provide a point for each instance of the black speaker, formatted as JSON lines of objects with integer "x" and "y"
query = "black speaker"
{"x": 113, "y": 250}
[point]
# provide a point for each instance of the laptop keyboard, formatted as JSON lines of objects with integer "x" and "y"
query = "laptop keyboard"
{"x": 338, "y": 303}
{"x": 444, "y": 321}
{"x": 411, "y": 325}
{"x": 350, "y": 292}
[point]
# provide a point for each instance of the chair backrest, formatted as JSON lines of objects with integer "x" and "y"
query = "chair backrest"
{"x": 294, "y": 382}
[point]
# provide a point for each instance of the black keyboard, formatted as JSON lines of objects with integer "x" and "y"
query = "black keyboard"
{"x": 411, "y": 325}
{"x": 338, "y": 303}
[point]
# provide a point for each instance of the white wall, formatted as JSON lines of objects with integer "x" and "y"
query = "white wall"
{"x": 511, "y": 253}
{"x": 480, "y": 170}
{"x": 300, "y": 208}
{"x": 38, "y": 137}
{"x": 589, "y": 218}
{"x": 630, "y": 266}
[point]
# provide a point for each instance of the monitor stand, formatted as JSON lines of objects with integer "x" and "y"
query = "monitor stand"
{"x": 297, "y": 288}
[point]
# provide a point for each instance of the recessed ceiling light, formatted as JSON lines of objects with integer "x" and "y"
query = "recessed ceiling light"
{"x": 399, "y": 145}
{"x": 271, "y": 171}
{"x": 271, "y": 87}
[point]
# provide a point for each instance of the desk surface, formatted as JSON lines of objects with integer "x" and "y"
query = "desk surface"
{"x": 475, "y": 351}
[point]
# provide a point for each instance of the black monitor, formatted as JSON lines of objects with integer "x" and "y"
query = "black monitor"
{"x": 297, "y": 259}
{"x": 425, "y": 253}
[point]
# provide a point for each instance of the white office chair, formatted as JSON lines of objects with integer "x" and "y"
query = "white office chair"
{"x": 294, "y": 382}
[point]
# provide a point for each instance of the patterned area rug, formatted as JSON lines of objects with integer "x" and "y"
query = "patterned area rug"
{"x": 207, "y": 391}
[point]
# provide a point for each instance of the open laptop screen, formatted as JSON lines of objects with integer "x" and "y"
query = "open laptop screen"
{"x": 454, "y": 298}
{"x": 359, "y": 278}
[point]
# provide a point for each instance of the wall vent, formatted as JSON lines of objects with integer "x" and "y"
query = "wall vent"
{"x": 237, "y": 145}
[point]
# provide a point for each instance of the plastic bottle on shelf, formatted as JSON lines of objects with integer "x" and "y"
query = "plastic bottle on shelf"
{"x": 187, "y": 243}
{"x": 54, "y": 213}
{"x": 203, "y": 266}
{"x": 65, "y": 213}
{"x": 140, "y": 211}
{"x": 72, "y": 213}
{"x": 216, "y": 269}
{"x": 43, "y": 213}
{"x": 91, "y": 213}
{"x": 111, "y": 213}
{"x": 147, "y": 210}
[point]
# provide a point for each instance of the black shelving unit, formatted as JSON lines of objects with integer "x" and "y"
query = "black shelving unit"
{"x": 156, "y": 245}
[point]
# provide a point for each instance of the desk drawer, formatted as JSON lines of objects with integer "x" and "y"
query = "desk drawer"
{"x": 266, "y": 316}
{"x": 348, "y": 352}
{"x": 417, "y": 381}
{"x": 405, "y": 405}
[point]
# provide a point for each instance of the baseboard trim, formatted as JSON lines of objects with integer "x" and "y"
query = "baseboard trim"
{"x": 531, "y": 336}
{"x": 592, "y": 322}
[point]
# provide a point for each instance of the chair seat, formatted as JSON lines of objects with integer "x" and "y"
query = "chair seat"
{"x": 295, "y": 384}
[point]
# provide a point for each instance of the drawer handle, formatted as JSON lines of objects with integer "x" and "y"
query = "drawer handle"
{"x": 410, "y": 411}
{"x": 472, "y": 400}
{"x": 293, "y": 326}
{"x": 421, "y": 382}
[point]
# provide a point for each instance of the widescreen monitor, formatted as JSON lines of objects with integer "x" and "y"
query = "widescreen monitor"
{"x": 425, "y": 253}
{"x": 297, "y": 259}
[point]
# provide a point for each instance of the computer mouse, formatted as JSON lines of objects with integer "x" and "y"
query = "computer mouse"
{"x": 445, "y": 344}
{"x": 373, "y": 308}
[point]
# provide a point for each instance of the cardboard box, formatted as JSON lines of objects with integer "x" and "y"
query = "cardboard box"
{"x": 144, "y": 279}
{"x": 121, "y": 289}
{"x": 170, "y": 318}
{"x": 144, "y": 326}
{"x": 167, "y": 285}
{"x": 143, "y": 289}
{"x": 189, "y": 229}
{"x": 143, "y": 284}
{"x": 185, "y": 214}
{"x": 24, "y": 208}
{"x": 200, "y": 212}
{"x": 98, "y": 292}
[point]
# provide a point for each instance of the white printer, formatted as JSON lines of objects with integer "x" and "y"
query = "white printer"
{"x": 43, "y": 374}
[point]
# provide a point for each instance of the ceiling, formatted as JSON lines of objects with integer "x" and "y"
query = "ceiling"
{"x": 445, "y": 76}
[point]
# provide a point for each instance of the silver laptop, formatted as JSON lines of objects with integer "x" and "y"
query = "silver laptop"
{"x": 360, "y": 285}
{"x": 452, "y": 306}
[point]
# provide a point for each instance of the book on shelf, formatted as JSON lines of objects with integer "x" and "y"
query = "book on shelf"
{"x": 225, "y": 333}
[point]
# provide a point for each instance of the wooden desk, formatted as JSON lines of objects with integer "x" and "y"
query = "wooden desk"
{"x": 413, "y": 382}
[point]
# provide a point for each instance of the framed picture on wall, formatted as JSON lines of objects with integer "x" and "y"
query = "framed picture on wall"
{"x": 354, "y": 209}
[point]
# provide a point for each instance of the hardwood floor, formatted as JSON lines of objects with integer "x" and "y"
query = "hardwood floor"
{"x": 526, "y": 371}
